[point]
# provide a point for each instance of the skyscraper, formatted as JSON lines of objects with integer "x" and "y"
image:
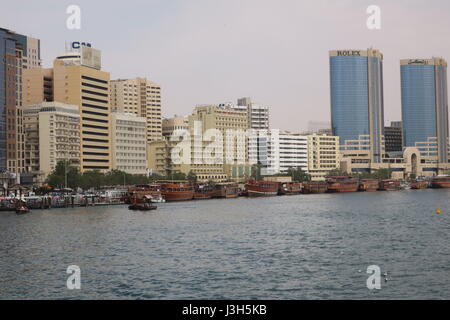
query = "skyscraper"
{"x": 17, "y": 52}
{"x": 357, "y": 107}
{"x": 425, "y": 106}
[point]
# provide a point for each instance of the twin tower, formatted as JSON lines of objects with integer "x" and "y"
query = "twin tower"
{"x": 357, "y": 106}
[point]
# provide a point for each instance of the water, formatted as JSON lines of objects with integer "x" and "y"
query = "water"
{"x": 300, "y": 247}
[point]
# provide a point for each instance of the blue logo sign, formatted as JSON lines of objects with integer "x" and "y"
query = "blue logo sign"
{"x": 77, "y": 45}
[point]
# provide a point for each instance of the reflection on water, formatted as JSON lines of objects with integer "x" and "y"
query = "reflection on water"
{"x": 300, "y": 247}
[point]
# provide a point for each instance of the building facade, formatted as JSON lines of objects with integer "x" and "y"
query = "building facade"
{"x": 52, "y": 134}
{"x": 393, "y": 139}
{"x": 277, "y": 152}
{"x": 17, "y": 53}
{"x": 323, "y": 155}
{"x": 425, "y": 107}
{"x": 141, "y": 97}
{"x": 258, "y": 115}
{"x": 357, "y": 106}
{"x": 129, "y": 143}
{"x": 80, "y": 81}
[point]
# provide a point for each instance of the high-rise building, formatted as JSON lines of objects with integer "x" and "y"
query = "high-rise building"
{"x": 17, "y": 53}
{"x": 52, "y": 134}
{"x": 78, "y": 80}
{"x": 141, "y": 97}
{"x": 129, "y": 143}
{"x": 357, "y": 109}
{"x": 425, "y": 106}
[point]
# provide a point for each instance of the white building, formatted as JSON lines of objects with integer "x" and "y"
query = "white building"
{"x": 129, "y": 143}
{"x": 278, "y": 151}
{"x": 52, "y": 134}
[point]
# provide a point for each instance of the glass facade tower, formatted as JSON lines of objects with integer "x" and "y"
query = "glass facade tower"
{"x": 357, "y": 107}
{"x": 425, "y": 106}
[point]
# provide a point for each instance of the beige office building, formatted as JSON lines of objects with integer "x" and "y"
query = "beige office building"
{"x": 229, "y": 161}
{"x": 78, "y": 80}
{"x": 52, "y": 134}
{"x": 129, "y": 143}
{"x": 323, "y": 155}
{"x": 141, "y": 97}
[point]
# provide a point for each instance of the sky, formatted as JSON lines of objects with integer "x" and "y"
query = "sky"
{"x": 216, "y": 51}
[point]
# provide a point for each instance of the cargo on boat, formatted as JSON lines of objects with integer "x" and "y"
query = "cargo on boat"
{"x": 440, "y": 182}
{"x": 419, "y": 184}
{"x": 389, "y": 185}
{"x": 262, "y": 188}
{"x": 313, "y": 187}
{"x": 290, "y": 188}
{"x": 203, "y": 192}
{"x": 368, "y": 185}
{"x": 342, "y": 184}
{"x": 177, "y": 191}
{"x": 226, "y": 190}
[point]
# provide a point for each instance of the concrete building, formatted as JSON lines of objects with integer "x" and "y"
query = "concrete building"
{"x": 129, "y": 143}
{"x": 215, "y": 147}
{"x": 357, "y": 106}
{"x": 175, "y": 123}
{"x": 141, "y": 97}
{"x": 258, "y": 115}
{"x": 425, "y": 107}
{"x": 52, "y": 134}
{"x": 78, "y": 80}
{"x": 17, "y": 53}
{"x": 278, "y": 151}
{"x": 323, "y": 155}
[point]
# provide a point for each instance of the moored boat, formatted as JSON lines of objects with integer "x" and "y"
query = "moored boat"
{"x": 419, "y": 184}
{"x": 177, "y": 191}
{"x": 140, "y": 192}
{"x": 389, "y": 185}
{"x": 290, "y": 188}
{"x": 368, "y": 185}
{"x": 226, "y": 190}
{"x": 203, "y": 192}
{"x": 313, "y": 187}
{"x": 342, "y": 184}
{"x": 440, "y": 182}
{"x": 262, "y": 188}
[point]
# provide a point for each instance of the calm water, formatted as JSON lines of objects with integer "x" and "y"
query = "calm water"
{"x": 302, "y": 247}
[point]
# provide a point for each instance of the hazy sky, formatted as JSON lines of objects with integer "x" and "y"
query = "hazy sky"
{"x": 214, "y": 51}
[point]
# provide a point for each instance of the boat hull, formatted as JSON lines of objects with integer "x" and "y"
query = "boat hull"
{"x": 262, "y": 189}
{"x": 315, "y": 187}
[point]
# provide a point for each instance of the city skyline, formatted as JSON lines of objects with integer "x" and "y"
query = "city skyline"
{"x": 245, "y": 50}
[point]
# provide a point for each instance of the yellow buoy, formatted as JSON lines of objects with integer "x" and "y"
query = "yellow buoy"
{"x": 438, "y": 210}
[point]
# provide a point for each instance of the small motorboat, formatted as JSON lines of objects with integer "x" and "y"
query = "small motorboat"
{"x": 22, "y": 210}
{"x": 142, "y": 207}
